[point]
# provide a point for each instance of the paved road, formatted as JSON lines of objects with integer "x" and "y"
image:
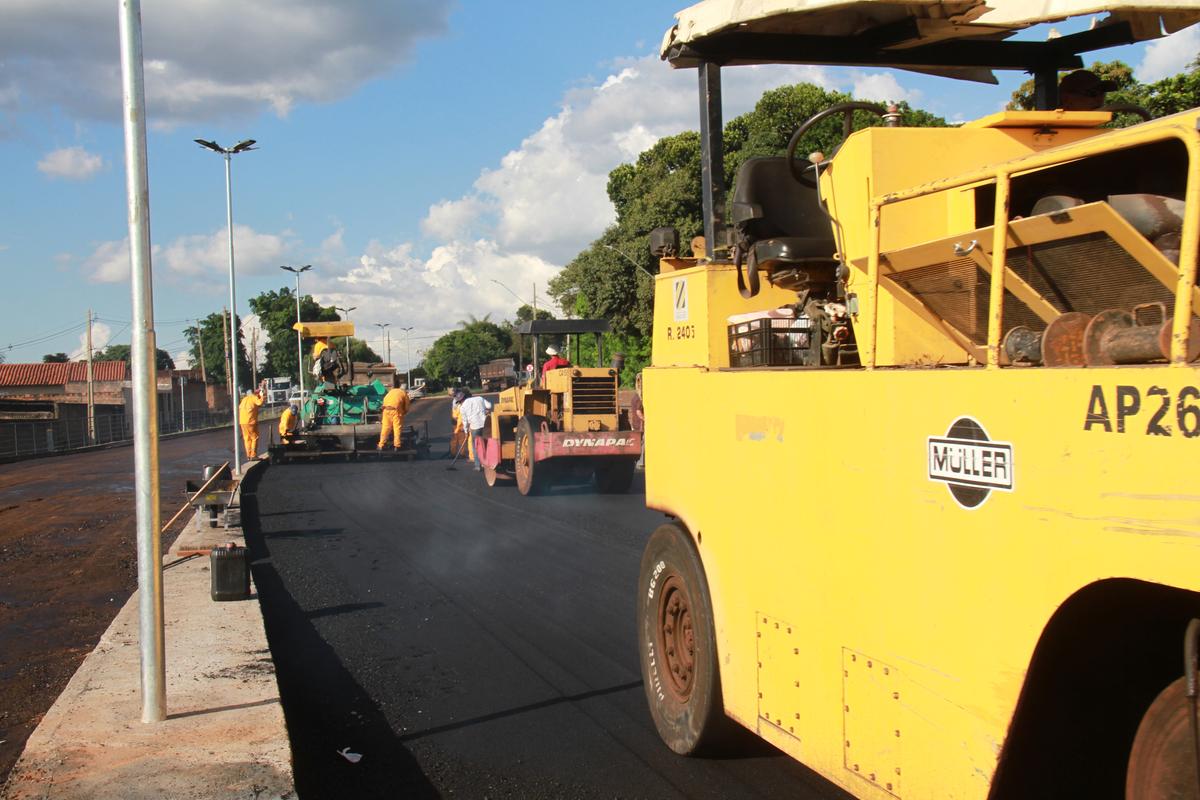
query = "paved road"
{"x": 68, "y": 562}
{"x": 468, "y": 641}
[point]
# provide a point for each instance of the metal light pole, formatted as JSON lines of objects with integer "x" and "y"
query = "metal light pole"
{"x": 227, "y": 153}
{"x": 299, "y": 338}
{"x": 407, "y": 359}
{"x": 346, "y": 311}
{"x": 143, "y": 378}
{"x": 182, "y": 403}
{"x": 383, "y": 331}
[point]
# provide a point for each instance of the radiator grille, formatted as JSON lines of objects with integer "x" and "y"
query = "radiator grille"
{"x": 594, "y": 395}
{"x": 1088, "y": 273}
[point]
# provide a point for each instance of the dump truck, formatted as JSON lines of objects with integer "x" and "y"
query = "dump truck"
{"x": 568, "y": 425}
{"x": 497, "y": 374}
{"x": 932, "y": 524}
{"x": 341, "y": 416}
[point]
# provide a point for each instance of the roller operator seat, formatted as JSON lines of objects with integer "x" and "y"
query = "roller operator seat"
{"x": 780, "y": 225}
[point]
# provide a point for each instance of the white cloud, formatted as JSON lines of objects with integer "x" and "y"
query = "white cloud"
{"x": 201, "y": 255}
{"x": 72, "y": 163}
{"x": 101, "y": 335}
{"x": 182, "y": 359}
{"x": 548, "y": 197}
{"x": 108, "y": 262}
{"x": 207, "y": 59}
{"x": 882, "y": 87}
{"x": 451, "y": 219}
{"x": 208, "y": 254}
{"x": 1169, "y": 55}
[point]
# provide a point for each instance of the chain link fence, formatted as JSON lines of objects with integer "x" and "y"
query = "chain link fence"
{"x": 41, "y": 437}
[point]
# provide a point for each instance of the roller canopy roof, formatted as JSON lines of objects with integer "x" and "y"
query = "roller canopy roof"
{"x": 563, "y": 326}
{"x": 958, "y": 39}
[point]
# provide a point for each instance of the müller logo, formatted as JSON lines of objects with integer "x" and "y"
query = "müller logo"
{"x": 969, "y": 463}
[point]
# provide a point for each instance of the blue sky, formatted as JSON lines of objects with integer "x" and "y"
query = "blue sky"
{"x": 414, "y": 151}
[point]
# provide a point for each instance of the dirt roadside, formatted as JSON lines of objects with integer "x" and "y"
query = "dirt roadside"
{"x": 68, "y": 562}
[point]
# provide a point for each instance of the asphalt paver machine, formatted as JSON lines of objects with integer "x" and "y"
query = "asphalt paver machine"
{"x": 934, "y": 529}
{"x": 563, "y": 425}
{"x": 341, "y": 417}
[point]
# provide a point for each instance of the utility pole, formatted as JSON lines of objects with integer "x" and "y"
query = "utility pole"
{"x": 182, "y": 404}
{"x": 203, "y": 370}
{"x": 91, "y": 386}
{"x": 533, "y": 357}
{"x": 254, "y": 358}
{"x": 225, "y": 340}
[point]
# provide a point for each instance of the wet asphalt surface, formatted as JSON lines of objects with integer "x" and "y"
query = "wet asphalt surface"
{"x": 468, "y": 641}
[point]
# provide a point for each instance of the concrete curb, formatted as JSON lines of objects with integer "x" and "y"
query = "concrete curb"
{"x": 224, "y": 736}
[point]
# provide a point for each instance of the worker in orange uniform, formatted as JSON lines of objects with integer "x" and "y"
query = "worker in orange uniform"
{"x": 248, "y": 419}
{"x": 395, "y": 406}
{"x": 287, "y": 423}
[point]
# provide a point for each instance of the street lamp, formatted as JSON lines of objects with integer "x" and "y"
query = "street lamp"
{"x": 241, "y": 147}
{"x": 383, "y": 330}
{"x": 627, "y": 258}
{"x": 407, "y": 358}
{"x": 346, "y": 311}
{"x": 299, "y": 338}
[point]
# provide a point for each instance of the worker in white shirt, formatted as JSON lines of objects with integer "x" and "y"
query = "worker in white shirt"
{"x": 474, "y": 412}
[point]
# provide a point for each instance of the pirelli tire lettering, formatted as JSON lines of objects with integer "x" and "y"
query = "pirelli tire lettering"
{"x": 1152, "y": 411}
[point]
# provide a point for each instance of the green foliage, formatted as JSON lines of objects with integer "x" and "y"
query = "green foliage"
{"x": 361, "y": 351}
{"x": 1161, "y": 98}
{"x": 276, "y": 312}
{"x": 211, "y": 334}
{"x": 55, "y": 358}
{"x": 124, "y": 352}
{"x": 662, "y": 188}
{"x": 456, "y": 356}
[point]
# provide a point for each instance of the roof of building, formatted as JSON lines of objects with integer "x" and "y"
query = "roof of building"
{"x": 62, "y": 373}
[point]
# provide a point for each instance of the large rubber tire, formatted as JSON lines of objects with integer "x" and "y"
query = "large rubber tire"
{"x": 532, "y": 477}
{"x": 615, "y": 475}
{"x": 677, "y": 643}
{"x": 1162, "y": 763}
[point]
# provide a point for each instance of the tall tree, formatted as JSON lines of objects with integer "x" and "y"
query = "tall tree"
{"x": 124, "y": 352}
{"x": 55, "y": 358}
{"x": 456, "y": 356}
{"x": 276, "y": 312}
{"x": 1170, "y": 95}
{"x": 210, "y": 332}
{"x": 662, "y": 188}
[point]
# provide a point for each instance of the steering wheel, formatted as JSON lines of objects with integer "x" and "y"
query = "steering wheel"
{"x": 1127, "y": 108}
{"x": 847, "y": 110}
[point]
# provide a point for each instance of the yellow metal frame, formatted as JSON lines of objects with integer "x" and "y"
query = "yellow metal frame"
{"x": 867, "y": 622}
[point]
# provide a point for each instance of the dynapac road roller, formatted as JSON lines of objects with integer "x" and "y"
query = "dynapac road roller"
{"x": 934, "y": 528}
{"x": 567, "y": 424}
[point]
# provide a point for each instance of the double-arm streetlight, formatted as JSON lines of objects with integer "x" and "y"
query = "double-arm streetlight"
{"x": 407, "y": 358}
{"x": 228, "y": 152}
{"x": 383, "y": 331}
{"x": 346, "y": 311}
{"x": 299, "y": 337}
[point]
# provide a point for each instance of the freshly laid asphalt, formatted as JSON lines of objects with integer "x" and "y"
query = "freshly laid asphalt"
{"x": 467, "y": 641}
